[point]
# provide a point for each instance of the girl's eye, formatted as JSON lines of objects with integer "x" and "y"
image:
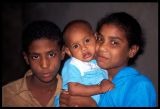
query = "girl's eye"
{"x": 114, "y": 42}
{"x": 52, "y": 54}
{"x": 99, "y": 39}
{"x": 35, "y": 57}
{"x": 75, "y": 46}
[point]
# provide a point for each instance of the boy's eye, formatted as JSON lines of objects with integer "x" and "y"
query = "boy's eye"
{"x": 35, "y": 57}
{"x": 75, "y": 46}
{"x": 52, "y": 54}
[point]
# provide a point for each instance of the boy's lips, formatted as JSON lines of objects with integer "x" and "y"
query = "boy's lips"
{"x": 46, "y": 75}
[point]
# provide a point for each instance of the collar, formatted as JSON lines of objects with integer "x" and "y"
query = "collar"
{"x": 23, "y": 84}
{"x": 125, "y": 72}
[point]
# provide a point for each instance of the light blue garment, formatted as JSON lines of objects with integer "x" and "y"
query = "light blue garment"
{"x": 86, "y": 73}
{"x": 132, "y": 89}
{"x": 56, "y": 101}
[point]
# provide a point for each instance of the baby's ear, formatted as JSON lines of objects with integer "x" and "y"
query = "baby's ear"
{"x": 133, "y": 51}
{"x": 25, "y": 57}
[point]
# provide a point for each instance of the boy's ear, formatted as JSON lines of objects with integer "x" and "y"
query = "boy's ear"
{"x": 25, "y": 57}
{"x": 63, "y": 53}
{"x": 133, "y": 51}
{"x": 68, "y": 51}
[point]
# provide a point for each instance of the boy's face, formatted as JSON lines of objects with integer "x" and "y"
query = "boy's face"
{"x": 44, "y": 58}
{"x": 81, "y": 43}
{"x": 113, "y": 51}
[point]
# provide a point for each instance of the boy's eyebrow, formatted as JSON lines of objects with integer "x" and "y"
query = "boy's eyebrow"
{"x": 36, "y": 53}
{"x": 33, "y": 53}
{"x": 53, "y": 50}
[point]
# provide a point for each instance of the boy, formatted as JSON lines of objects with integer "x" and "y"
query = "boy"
{"x": 81, "y": 74}
{"x": 42, "y": 51}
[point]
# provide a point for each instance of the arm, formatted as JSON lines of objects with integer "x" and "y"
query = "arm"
{"x": 89, "y": 90}
{"x": 66, "y": 100}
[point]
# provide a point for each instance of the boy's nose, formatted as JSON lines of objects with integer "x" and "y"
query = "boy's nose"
{"x": 44, "y": 63}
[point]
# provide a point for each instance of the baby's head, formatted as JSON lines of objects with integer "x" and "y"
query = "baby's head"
{"x": 79, "y": 40}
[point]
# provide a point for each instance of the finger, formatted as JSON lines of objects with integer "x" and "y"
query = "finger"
{"x": 64, "y": 92}
{"x": 63, "y": 98}
{"x": 63, "y": 105}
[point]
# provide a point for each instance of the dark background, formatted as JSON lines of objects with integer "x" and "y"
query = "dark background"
{"x": 15, "y": 16}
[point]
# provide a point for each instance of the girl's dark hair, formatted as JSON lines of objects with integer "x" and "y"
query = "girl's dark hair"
{"x": 41, "y": 29}
{"x": 131, "y": 27}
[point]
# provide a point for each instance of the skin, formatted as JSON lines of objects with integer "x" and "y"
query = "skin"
{"x": 81, "y": 44}
{"x": 44, "y": 58}
{"x": 113, "y": 53}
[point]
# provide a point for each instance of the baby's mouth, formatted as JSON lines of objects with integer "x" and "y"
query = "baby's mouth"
{"x": 87, "y": 55}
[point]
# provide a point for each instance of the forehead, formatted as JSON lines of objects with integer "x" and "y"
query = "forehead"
{"x": 43, "y": 45}
{"x": 78, "y": 27}
{"x": 77, "y": 30}
{"x": 112, "y": 30}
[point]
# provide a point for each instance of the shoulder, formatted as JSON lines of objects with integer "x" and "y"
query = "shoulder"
{"x": 71, "y": 63}
{"x": 128, "y": 78}
{"x": 10, "y": 90}
{"x": 12, "y": 85}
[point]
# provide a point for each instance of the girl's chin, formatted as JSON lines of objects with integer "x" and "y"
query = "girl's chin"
{"x": 101, "y": 64}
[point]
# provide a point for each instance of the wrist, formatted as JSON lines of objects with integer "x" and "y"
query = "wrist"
{"x": 99, "y": 88}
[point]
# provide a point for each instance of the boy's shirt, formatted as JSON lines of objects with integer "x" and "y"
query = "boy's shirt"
{"x": 16, "y": 94}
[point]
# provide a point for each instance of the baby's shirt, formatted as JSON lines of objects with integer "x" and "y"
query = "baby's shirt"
{"x": 86, "y": 73}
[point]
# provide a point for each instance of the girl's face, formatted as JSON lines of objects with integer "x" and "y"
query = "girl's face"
{"x": 113, "y": 51}
{"x": 81, "y": 43}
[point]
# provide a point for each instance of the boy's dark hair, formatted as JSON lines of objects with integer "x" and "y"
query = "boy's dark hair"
{"x": 131, "y": 27}
{"x": 70, "y": 24}
{"x": 38, "y": 30}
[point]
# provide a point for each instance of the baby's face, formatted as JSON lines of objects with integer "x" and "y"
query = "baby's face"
{"x": 81, "y": 43}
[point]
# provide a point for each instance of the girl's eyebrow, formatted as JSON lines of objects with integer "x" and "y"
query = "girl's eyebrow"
{"x": 115, "y": 37}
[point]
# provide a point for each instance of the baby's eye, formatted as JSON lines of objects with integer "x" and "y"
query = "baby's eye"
{"x": 87, "y": 40}
{"x": 35, "y": 57}
{"x": 75, "y": 46}
{"x": 52, "y": 54}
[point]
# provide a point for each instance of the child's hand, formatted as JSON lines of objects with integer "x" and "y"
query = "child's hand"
{"x": 106, "y": 85}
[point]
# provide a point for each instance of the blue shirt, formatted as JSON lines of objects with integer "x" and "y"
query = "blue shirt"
{"x": 87, "y": 73}
{"x": 132, "y": 89}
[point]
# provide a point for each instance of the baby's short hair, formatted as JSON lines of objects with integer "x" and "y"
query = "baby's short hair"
{"x": 73, "y": 23}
